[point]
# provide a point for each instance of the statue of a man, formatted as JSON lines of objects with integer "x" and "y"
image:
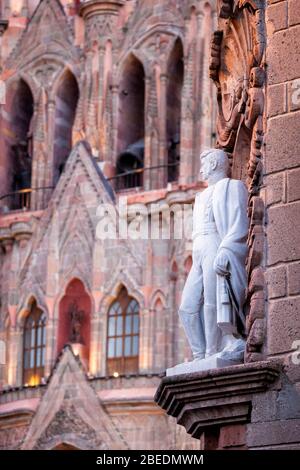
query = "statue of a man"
{"x": 211, "y": 308}
{"x": 76, "y": 317}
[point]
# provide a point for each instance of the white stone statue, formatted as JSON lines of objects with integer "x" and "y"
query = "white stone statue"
{"x": 211, "y": 308}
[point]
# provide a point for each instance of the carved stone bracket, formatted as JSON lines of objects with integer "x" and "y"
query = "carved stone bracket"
{"x": 203, "y": 400}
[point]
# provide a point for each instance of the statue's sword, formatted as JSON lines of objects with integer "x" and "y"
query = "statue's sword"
{"x": 234, "y": 301}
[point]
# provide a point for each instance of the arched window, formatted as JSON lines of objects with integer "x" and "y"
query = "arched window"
{"x": 174, "y": 94}
{"x": 131, "y": 124}
{"x": 65, "y": 109}
{"x": 34, "y": 346}
{"x": 123, "y": 335}
{"x": 16, "y": 147}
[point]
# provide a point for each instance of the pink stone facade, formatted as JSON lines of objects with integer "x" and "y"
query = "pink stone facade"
{"x": 96, "y": 77}
{"x": 81, "y": 83}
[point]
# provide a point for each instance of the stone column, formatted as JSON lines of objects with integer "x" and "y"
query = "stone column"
{"x": 100, "y": 18}
{"x": 149, "y": 136}
{"x": 162, "y": 173}
{"x": 95, "y": 342}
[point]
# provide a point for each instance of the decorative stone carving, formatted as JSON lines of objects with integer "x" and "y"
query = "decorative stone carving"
{"x": 100, "y": 18}
{"x": 66, "y": 228}
{"x": 140, "y": 22}
{"x": 66, "y": 422}
{"x": 86, "y": 422}
{"x": 11, "y": 437}
{"x": 48, "y": 34}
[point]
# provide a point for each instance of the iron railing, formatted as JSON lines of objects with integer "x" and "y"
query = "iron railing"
{"x": 21, "y": 199}
{"x": 134, "y": 178}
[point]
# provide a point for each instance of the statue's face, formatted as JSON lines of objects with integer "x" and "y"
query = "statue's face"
{"x": 206, "y": 168}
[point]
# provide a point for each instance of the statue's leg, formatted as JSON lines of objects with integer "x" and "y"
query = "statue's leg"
{"x": 190, "y": 310}
{"x": 212, "y": 331}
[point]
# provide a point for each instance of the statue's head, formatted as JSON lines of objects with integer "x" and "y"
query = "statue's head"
{"x": 212, "y": 162}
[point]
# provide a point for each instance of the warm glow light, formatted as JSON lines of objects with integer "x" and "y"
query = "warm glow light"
{"x": 16, "y": 6}
{"x": 10, "y": 374}
{"x": 93, "y": 364}
{"x": 116, "y": 374}
{"x": 76, "y": 349}
{"x": 34, "y": 380}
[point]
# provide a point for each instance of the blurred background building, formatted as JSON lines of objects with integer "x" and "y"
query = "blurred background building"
{"x": 110, "y": 102}
{"x": 100, "y": 100}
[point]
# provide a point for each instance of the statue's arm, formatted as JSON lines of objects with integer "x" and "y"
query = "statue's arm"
{"x": 235, "y": 219}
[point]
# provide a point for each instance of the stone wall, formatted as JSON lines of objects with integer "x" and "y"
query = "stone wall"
{"x": 276, "y": 416}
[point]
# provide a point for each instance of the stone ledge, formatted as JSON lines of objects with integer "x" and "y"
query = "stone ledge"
{"x": 216, "y": 397}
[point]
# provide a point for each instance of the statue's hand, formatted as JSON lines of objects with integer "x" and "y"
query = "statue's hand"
{"x": 221, "y": 264}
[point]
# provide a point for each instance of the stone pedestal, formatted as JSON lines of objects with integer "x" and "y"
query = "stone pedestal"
{"x": 206, "y": 401}
{"x": 213, "y": 362}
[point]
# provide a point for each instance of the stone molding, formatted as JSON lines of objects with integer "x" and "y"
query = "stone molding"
{"x": 202, "y": 400}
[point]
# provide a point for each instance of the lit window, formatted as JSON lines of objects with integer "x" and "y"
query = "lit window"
{"x": 34, "y": 346}
{"x": 123, "y": 336}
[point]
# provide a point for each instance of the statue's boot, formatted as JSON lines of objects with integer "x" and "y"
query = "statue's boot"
{"x": 212, "y": 331}
{"x": 194, "y": 331}
{"x": 232, "y": 348}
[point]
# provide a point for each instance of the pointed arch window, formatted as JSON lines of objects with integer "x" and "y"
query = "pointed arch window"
{"x": 34, "y": 346}
{"x": 123, "y": 335}
{"x": 131, "y": 125}
{"x": 65, "y": 110}
{"x": 174, "y": 96}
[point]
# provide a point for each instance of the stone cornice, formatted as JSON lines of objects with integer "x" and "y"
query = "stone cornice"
{"x": 215, "y": 397}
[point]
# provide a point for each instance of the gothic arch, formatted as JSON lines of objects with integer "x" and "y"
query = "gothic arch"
{"x": 132, "y": 55}
{"x": 66, "y": 445}
{"x": 17, "y": 142}
{"x": 66, "y": 69}
{"x": 158, "y": 295}
{"x": 168, "y": 30}
{"x": 69, "y": 277}
{"x": 25, "y": 306}
{"x": 66, "y": 100}
{"x": 111, "y": 293}
{"x": 71, "y": 441}
{"x": 131, "y": 121}
{"x": 175, "y": 73}
{"x": 74, "y": 320}
{"x": 28, "y": 79}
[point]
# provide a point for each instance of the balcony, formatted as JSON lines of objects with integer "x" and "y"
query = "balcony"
{"x": 25, "y": 199}
{"x": 136, "y": 178}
